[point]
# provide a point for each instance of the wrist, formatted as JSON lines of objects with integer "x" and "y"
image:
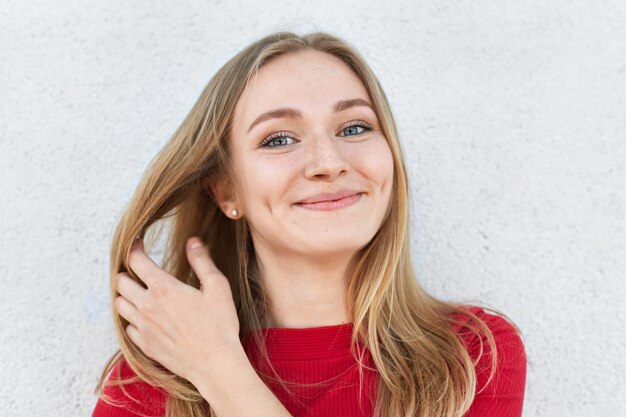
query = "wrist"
{"x": 233, "y": 388}
{"x": 220, "y": 372}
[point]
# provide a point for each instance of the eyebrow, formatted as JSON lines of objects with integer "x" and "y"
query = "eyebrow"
{"x": 292, "y": 113}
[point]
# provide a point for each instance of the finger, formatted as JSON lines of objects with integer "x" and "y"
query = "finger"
{"x": 200, "y": 260}
{"x": 143, "y": 266}
{"x": 135, "y": 336}
{"x": 130, "y": 289}
{"x": 127, "y": 310}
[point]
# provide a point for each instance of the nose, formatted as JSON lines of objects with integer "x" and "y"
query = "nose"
{"x": 325, "y": 160}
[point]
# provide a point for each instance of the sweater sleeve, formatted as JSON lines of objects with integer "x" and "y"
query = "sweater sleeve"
{"x": 503, "y": 395}
{"x": 133, "y": 400}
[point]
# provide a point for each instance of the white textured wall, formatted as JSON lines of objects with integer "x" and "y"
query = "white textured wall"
{"x": 513, "y": 116}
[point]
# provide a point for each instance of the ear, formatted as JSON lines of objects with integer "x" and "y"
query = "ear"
{"x": 223, "y": 194}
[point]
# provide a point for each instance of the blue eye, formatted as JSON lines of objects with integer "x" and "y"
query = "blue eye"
{"x": 276, "y": 140}
{"x": 280, "y": 139}
{"x": 354, "y": 128}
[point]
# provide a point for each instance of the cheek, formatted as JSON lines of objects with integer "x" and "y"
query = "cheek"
{"x": 378, "y": 160}
{"x": 387, "y": 174}
{"x": 264, "y": 182}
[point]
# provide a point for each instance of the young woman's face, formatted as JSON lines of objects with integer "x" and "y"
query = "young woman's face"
{"x": 314, "y": 172}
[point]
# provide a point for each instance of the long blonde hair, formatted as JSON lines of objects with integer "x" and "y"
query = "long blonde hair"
{"x": 423, "y": 367}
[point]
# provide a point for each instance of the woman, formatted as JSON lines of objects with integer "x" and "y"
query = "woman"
{"x": 287, "y": 287}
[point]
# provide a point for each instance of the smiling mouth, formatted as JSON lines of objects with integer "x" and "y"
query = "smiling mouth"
{"x": 332, "y": 204}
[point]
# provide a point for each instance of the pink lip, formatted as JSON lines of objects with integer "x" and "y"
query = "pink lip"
{"x": 331, "y": 201}
{"x": 329, "y": 196}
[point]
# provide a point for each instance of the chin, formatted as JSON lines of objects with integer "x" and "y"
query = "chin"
{"x": 326, "y": 245}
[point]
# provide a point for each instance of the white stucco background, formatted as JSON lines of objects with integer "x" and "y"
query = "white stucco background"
{"x": 513, "y": 118}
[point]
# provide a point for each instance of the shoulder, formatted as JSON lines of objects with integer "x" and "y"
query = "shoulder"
{"x": 133, "y": 398}
{"x": 505, "y": 334}
{"x": 506, "y": 384}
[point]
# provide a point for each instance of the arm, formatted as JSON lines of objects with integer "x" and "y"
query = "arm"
{"x": 238, "y": 390}
{"x": 250, "y": 398}
{"x": 194, "y": 333}
{"x": 503, "y": 396}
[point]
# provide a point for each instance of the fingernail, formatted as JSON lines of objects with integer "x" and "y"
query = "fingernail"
{"x": 194, "y": 244}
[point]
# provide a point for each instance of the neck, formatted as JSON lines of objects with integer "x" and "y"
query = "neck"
{"x": 303, "y": 291}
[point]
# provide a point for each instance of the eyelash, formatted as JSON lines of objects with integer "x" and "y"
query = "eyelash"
{"x": 368, "y": 128}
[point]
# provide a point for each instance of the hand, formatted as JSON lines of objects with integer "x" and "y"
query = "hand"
{"x": 184, "y": 329}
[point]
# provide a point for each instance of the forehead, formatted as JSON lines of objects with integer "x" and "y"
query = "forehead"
{"x": 311, "y": 81}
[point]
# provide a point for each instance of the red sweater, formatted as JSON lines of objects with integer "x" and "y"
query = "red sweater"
{"x": 322, "y": 354}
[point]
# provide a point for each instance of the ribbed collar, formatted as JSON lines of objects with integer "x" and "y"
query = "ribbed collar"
{"x": 303, "y": 344}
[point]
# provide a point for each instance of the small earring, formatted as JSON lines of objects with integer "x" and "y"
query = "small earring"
{"x": 233, "y": 212}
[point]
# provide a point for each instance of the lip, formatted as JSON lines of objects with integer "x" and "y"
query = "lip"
{"x": 331, "y": 201}
{"x": 329, "y": 196}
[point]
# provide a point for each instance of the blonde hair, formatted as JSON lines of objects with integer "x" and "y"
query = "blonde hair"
{"x": 423, "y": 366}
